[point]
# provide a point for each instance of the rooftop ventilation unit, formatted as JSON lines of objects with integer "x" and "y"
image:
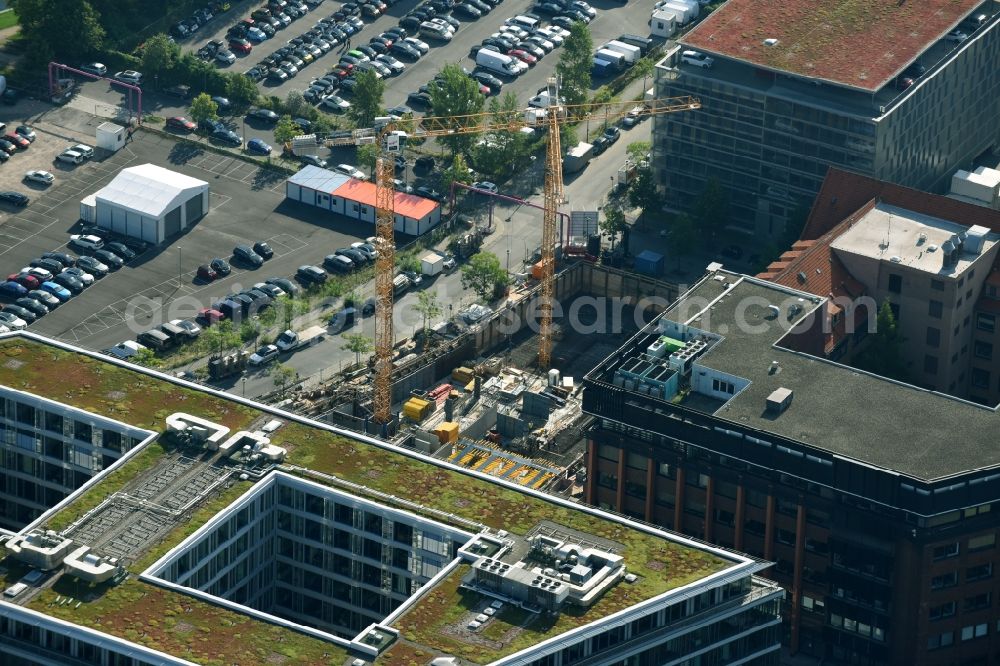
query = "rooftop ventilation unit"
{"x": 779, "y": 401}
{"x": 773, "y": 311}
{"x": 770, "y": 41}
{"x": 975, "y": 239}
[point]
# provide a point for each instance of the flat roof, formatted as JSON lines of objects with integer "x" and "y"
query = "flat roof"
{"x": 145, "y": 398}
{"x": 907, "y": 238}
{"x": 407, "y": 205}
{"x": 834, "y": 408}
{"x": 860, "y": 44}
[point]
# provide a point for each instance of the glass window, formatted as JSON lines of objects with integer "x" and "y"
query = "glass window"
{"x": 946, "y": 551}
{"x": 982, "y": 542}
{"x": 930, "y": 364}
{"x": 980, "y": 378}
{"x": 986, "y": 322}
{"x": 937, "y": 285}
{"x": 934, "y": 309}
{"x": 933, "y": 336}
{"x": 895, "y": 283}
{"x": 982, "y": 349}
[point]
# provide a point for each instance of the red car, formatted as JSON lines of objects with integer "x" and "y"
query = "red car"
{"x": 181, "y": 123}
{"x": 17, "y": 140}
{"x": 240, "y": 45}
{"x": 208, "y": 316}
{"x": 340, "y": 72}
{"x": 523, "y": 56}
{"x": 485, "y": 90}
{"x": 206, "y": 272}
{"x": 25, "y": 280}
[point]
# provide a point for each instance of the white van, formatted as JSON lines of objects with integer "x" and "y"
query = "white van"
{"x": 70, "y": 156}
{"x": 498, "y": 63}
{"x": 524, "y": 22}
{"x": 435, "y": 31}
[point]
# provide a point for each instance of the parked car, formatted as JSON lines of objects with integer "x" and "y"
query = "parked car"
{"x": 284, "y": 284}
{"x": 311, "y": 274}
{"x": 130, "y": 76}
{"x": 86, "y": 241}
{"x": 181, "y": 123}
{"x": 39, "y": 176}
{"x": 71, "y": 282}
{"x": 57, "y": 290}
{"x": 66, "y": 260}
{"x": 263, "y": 249}
{"x": 95, "y": 68}
{"x": 228, "y": 136}
{"x": 35, "y": 307}
{"x": 209, "y": 316}
{"x": 264, "y": 355}
{"x": 83, "y": 149}
{"x": 27, "y": 132}
{"x": 83, "y": 276}
{"x": 313, "y": 160}
{"x": 266, "y": 115}
{"x": 121, "y": 250}
{"x": 220, "y": 266}
{"x": 246, "y": 254}
{"x": 93, "y": 266}
{"x": 206, "y": 272}
{"x": 258, "y": 147}
{"x": 12, "y": 289}
{"x": 113, "y": 261}
{"x": 15, "y": 198}
{"x": 21, "y": 313}
{"x": 350, "y": 170}
{"x": 42, "y": 296}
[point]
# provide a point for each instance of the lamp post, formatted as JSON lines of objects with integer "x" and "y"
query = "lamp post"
{"x": 180, "y": 256}
{"x": 244, "y": 386}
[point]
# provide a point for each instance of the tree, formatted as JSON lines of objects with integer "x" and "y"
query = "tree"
{"x": 484, "y": 275}
{"x": 457, "y": 172}
{"x": 283, "y": 375}
{"x": 428, "y": 306}
{"x": 146, "y": 357}
{"x": 70, "y": 29}
{"x": 366, "y": 157}
{"x": 289, "y": 308}
{"x": 643, "y": 193}
{"x": 219, "y": 338}
{"x": 456, "y": 94}
{"x": 575, "y": 63}
{"x": 159, "y": 54}
{"x": 711, "y": 210}
{"x": 203, "y": 108}
{"x": 241, "y": 90}
{"x": 643, "y": 67}
{"x": 359, "y": 344}
{"x": 501, "y": 152}
{"x": 295, "y": 104}
{"x": 567, "y": 136}
{"x": 683, "y": 237}
{"x": 250, "y": 330}
{"x": 638, "y": 150}
{"x": 883, "y": 355}
{"x": 614, "y": 222}
{"x": 286, "y": 130}
{"x": 367, "y": 98}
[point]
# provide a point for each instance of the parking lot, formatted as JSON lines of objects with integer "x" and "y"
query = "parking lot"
{"x": 613, "y": 19}
{"x": 246, "y": 204}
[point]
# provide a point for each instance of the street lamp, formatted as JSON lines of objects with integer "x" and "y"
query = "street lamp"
{"x": 244, "y": 386}
{"x": 180, "y": 256}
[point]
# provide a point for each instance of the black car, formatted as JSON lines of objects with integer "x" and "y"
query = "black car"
{"x": 29, "y": 303}
{"x": 428, "y": 193}
{"x": 487, "y": 79}
{"x": 263, "y": 249}
{"x": 121, "y": 250}
{"x": 112, "y": 260}
{"x": 221, "y": 267}
{"x": 15, "y": 198}
{"x": 404, "y": 50}
{"x": 358, "y": 257}
{"x": 26, "y": 315}
{"x": 51, "y": 265}
{"x": 311, "y": 275}
{"x": 468, "y": 10}
{"x": 66, "y": 260}
{"x": 71, "y": 282}
{"x": 224, "y": 135}
{"x": 92, "y": 266}
{"x": 425, "y": 163}
{"x": 600, "y": 144}
{"x": 409, "y": 23}
{"x": 612, "y": 133}
{"x": 419, "y": 99}
{"x": 284, "y": 284}
{"x": 246, "y": 254}
{"x": 209, "y": 125}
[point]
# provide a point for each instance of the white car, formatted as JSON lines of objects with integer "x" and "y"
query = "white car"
{"x": 86, "y": 241}
{"x": 12, "y": 321}
{"x": 70, "y": 157}
{"x": 95, "y": 68}
{"x": 130, "y": 76}
{"x": 39, "y": 273}
{"x": 335, "y": 103}
{"x": 419, "y": 45}
{"x": 264, "y": 355}
{"x": 956, "y": 35}
{"x": 192, "y": 329}
{"x": 449, "y": 262}
{"x": 83, "y": 149}
{"x": 125, "y": 350}
{"x": 697, "y": 59}
{"x": 39, "y": 176}
{"x": 225, "y": 56}
{"x": 349, "y": 170}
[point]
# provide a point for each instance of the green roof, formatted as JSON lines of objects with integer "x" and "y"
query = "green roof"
{"x": 187, "y": 627}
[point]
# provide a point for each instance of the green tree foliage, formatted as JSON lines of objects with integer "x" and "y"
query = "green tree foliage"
{"x": 883, "y": 356}
{"x": 484, "y": 275}
{"x": 428, "y": 306}
{"x": 366, "y": 157}
{"x": 458, "y": 171}
{"x": 567, "y": 136}
{"x": 69, "y": 29}
{"x": 613, "y": 222}
{"x": 159, "y": 54}
{"x": 220, "y": 338}
{"x": 711, "y": 210}
{"x": 366, "y": 101}
{"x": 283, "y": 375}
{"x": 502, "y": 152}
{"x": 286, "y": 130}
{"x": 203, "y": 108}
{"x": 296, "y": 104}
{"x": 359, "y": 344}
{"x": 240, "y": 90}
{"x": 637, "y": 151}
{"x": 643, "y": 193}
{"x": 147, "y": 358}
{"x": 456, "y": 94}
{"x": 574, "y": 64}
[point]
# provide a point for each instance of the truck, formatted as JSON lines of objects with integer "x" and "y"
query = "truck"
{"x": 615, "y": 58}
{"x": 602, "y": 68}
{"x": 431, "y": 264}
{"x": 291, "y": 340}
{"x": 631, "y": 53}
{"x": 577, "y": 157}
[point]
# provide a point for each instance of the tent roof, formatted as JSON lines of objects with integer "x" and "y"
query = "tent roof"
{"x": 148, "y": 189}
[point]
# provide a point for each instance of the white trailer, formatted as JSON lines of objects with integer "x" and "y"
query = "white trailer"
{"x": 686, "y": 13}
{"x": 631, "y": 53}
{"x": 431, "y": 264}
{"x": 663, "y": 23}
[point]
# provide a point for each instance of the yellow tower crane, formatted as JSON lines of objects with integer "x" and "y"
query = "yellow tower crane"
{"x": 389, "y": 137}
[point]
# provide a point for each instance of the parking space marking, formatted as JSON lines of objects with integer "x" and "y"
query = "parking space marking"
{"x": 212, "y": 196}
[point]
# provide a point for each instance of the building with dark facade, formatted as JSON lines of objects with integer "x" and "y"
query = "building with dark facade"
{"x": 885, "y": 88}
{"x": 876, "y": 500}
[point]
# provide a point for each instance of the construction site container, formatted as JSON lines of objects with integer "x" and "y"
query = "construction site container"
{"x": 417, "y": 409}
{"x": 431, "y": 264}
{"x": 577, "y": 157}
{"x": 447, "y": 432}
{"x": 649, "y": 263}
{"x": 462, "y": 375}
